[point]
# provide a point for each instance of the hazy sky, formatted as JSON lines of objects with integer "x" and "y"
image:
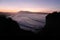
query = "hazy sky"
{"x": 30, "y": 5}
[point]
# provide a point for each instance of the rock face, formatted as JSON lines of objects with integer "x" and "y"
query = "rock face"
{"x": 52, "y": 26}
{"x": 8, "y": 27}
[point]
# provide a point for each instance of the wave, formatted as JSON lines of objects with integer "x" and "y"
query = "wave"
{"x": 32, "y": 22}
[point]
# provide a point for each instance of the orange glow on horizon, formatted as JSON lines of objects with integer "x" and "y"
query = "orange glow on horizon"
{"x": 7, "y": 10}
{"x": 14, "y": 9}
{"x": 25, "y": 9}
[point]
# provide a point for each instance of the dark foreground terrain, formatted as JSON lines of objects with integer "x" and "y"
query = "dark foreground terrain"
{"x": 9, "y": 27}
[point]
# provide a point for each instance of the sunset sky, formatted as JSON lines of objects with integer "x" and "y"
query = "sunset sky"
{"x": 29, "y": 5}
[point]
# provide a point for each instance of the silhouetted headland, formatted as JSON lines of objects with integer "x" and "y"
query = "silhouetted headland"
{"x": 52, "y": 26}
{"x": 9, "y": 27}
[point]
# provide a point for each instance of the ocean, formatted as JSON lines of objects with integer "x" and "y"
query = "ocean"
{"x": 30, "y": 22}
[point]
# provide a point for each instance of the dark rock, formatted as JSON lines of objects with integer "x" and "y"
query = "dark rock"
{"x": 9, "y": 27}
{"x": 52, "y": 26}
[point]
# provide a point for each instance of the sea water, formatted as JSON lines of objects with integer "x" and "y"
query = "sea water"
{"x": 30, "y": 22}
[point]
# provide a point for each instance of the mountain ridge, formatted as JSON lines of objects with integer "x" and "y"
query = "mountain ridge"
{"x": 32, "y": 12}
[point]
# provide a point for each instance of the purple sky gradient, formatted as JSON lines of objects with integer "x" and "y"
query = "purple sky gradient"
{"x": 30, "y": 5}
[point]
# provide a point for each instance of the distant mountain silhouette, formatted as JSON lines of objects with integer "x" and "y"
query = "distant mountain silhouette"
{"x": 31, "y": 12}
{"x": 6, "y": 13}
{"x": 23, "y": 11}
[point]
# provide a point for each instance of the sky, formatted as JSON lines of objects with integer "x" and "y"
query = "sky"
{"x": 29, "y": 5}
